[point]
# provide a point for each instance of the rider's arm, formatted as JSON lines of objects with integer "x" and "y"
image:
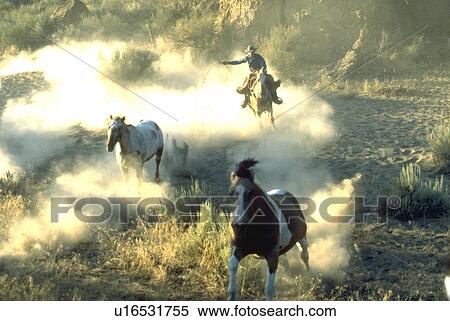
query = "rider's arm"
{"x": 263, "y": 65}
{"x": 236, "y": 62}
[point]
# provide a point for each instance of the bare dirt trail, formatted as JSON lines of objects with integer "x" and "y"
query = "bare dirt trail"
{"x": 376, "y": 137}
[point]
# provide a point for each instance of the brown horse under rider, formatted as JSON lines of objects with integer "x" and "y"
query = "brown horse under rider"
{"x": 256, "y": 64}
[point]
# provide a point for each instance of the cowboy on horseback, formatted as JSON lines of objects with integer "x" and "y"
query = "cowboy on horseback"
{"x": 256, "y": 64}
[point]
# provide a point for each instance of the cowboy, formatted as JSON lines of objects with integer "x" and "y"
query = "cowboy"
{"x": 256, "y": 63}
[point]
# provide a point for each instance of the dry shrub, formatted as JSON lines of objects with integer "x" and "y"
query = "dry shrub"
{"x": 133, "y": 64}
{"x": 439, "y": 140}
{"x": 420, "y": 197}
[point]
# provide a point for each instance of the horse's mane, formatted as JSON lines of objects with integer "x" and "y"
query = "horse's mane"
{"x": 244, "y": 168}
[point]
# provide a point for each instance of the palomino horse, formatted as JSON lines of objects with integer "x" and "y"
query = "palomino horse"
{"x": 260, "y": 98}
{"x": 137, "y": 144}
{"x": 265, "y": 224}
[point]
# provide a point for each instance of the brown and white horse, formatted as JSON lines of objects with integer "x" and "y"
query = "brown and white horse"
{"x": 137, "y": 144}
{"x": 265, "y": 224}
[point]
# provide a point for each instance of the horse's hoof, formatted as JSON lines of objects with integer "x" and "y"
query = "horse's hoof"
{"x": 157, "y": 180}
{"x": 232, "y": 297}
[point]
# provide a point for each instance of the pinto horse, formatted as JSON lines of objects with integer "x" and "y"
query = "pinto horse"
{"x": 137, "y": 144}
{"x": 265, "y": 224}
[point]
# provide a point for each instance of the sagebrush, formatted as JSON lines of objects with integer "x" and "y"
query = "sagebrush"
{"x": 420, "y": 197}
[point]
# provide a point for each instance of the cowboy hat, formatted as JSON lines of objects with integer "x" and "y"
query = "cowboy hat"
{"x": 250, "y": 48}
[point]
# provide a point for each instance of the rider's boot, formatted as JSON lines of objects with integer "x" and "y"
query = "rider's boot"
{"x": 245, "y": 102}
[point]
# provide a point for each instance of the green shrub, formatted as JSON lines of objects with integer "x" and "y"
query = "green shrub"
{"x": 88, "y": 27}
{"x": 195, "y": 32}
{"x": 439, "y": 140}
{"x": 111, "y": 19}
{"x": 167, "y": 13}
{"x": 16, "y": 23}
{"x": 108, "y": 26}
{"x": 133, "y": 64}
{"x": 402, "y": 60}
{"x": 420, "y": 198}
{"x": 128, "y": 10}
{"x": 114, "y": 26}
{"x": 128, "y": 18}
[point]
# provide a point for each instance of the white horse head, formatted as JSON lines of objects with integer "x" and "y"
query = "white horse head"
{"x": 115, "y": 130}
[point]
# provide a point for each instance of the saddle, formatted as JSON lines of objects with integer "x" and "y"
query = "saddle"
{"x": 250, "y": 82}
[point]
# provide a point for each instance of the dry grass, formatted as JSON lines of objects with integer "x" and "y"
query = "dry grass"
{"x": 439, "y": 140}
{"x": 169, "y": 252}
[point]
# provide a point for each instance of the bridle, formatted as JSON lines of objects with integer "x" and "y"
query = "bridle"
{"x": 119, "y": 136}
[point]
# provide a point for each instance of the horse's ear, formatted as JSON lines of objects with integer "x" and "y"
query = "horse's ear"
{"x": 123, "y": 118}
{"x": 111, "y": 117}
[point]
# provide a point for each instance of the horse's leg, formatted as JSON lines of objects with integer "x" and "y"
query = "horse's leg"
{"x": 303, "y": 245}
{"x": 233, "y": 264}
{"x": 139, "y": 170}
{"x": 260, "y": 121}
{"x": 272, "y": 120}
{"x": 272, "y": 262}
{"x": 124, "y": 171}
{"x": 158, "y": 161}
